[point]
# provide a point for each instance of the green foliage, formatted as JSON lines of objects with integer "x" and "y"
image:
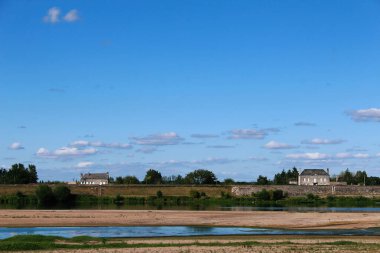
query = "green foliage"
{"x": 159, "y": 194}
{"x": 224, "y": 195}
{"x": 195, "y": 194}
{"x": 153, "y": 177}
{"x": 125, "y": 180}
{"x": 228, "y": 181}
{"x": 201, "y": 177}
{"x": 18, "y": 174}
{"x": 173, "y": 179}
{"x": 262, "y": 195}
{"x": 284, "y": 177}
{"x": 261, "y": 180}
{"x": 272, "y": 195}
{"x": 62, "y": 194}
{"x": 45, "y": 195}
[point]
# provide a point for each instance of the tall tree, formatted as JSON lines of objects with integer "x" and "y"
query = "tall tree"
{"x": 201, "y": 177}
{"x": 153, "y": 177}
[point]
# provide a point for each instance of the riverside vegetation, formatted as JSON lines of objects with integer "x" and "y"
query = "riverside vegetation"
{"x": 239, "y": 244}
{"x": 60, "y": 196}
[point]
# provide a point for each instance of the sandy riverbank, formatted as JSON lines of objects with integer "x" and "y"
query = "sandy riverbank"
{"x": 291, "y": 220}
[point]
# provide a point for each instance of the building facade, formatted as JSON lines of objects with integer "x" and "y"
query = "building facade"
{"x": 314, "y": 177}
{"x": 94, "y": 178}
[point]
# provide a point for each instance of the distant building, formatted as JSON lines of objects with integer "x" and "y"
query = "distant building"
{"x": 94, "y": 178}
{"x": 314, "y": 177}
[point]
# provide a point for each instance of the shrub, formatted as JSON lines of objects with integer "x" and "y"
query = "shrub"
{"x": 44, "y": 195}
{"x": 277, "y": 195}
{"x": 118, "y": 199}
{"x": 263, "y": 195}
{"x": 159, "y": 194}
{"x": 195, "y": 194}
{"x": 62, "y": 194}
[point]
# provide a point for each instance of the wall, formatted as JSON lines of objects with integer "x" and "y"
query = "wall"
{"x": 300, "y": 190}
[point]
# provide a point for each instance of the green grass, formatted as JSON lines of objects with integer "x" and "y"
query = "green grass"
{"x": 39, "y": 242}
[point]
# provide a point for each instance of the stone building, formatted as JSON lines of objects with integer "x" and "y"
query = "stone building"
{"x": 94, "y": 178}
{"x": 314, "y": 177}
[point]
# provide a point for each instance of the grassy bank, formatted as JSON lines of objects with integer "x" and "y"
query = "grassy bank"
{"x": 49, "y": 243}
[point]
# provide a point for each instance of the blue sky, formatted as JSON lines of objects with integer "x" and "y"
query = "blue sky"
{"x": 239, "y": 87}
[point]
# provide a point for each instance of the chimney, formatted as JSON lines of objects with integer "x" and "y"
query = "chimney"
{"x": 328, "y": 171}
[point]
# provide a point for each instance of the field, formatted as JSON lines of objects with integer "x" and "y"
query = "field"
{"x": 262, "y": 244}
{"x": 124, "y": 190}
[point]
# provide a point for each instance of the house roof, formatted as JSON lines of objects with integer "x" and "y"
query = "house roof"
{"x": 314, "y": 172}
{"x": 95, "y": 176}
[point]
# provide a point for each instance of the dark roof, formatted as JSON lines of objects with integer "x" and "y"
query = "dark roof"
{"x": 95, "y": 176}
{"x": 314, "y": 172}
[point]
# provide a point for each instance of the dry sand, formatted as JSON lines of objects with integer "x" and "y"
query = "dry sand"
{"x": 267, "y": 219}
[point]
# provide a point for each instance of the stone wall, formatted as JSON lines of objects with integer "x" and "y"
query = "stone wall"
{"x": 300, "y": 190}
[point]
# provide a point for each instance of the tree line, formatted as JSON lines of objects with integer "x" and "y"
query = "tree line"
{"x": 152, "y": 176}
{"x": 19, "y": 174}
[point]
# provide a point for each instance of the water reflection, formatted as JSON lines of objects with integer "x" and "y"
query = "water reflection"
{"x": 160, "y": 231}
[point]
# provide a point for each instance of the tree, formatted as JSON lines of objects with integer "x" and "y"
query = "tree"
{"x": 119, "y": 180}
{"x": 346, "y": 176}
{"x": 284, "y": 177}
{"x": 62, "y": 194}
{"x": 262, "y": 195}
{"x": 44, "y": 195}
{"x": 229, "y": 181}
{"x": 201, "y": 177}
{"x": 131, "y": 180}
{"x": 261, "y": 180}
{"x": 33, "y": 177}
{"x": 153, "y": 177}
{"x": 18, "y": 174}
{"x": 360, "y": 177}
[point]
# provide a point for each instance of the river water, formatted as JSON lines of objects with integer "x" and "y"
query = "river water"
{"x": 160, "y": 231}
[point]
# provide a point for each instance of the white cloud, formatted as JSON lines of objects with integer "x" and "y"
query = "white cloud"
{"x": 16, "y": 146}
{"x": 258, "y": 158}
{"x": 310, "y": 156}
{"x": 170, "y": 138}
{"x": 99, "y": 144}
{"x": 278, "y": 145}
{"x": 220, "y": 146}
{"x": 65, "y": 152}
{"x": 247, "y": 134}
{"x": 319, "y": 141}
{"x": 52, "y": 15}
{"x": 370, "y": 114}
{"x": 146, "y": 150}
{"x": 349, "y": 156}
{"x": 204, "y": 136}
{"x": 71, "y": 16}
{"x": 304, "y": 123}
{"x": 84, "y": 164}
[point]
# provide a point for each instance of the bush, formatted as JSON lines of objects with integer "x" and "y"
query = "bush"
{"x": 277, "y": 195}
{"x": 263, "y": 195}
{"x": 159, "y": 194}
{"x": 224, "y": 195}
{"x": 44, "y": 195}
{"x": 62, "y": 194}
{"x": 195, "y": 194}
{"x": 118, "y": 199}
